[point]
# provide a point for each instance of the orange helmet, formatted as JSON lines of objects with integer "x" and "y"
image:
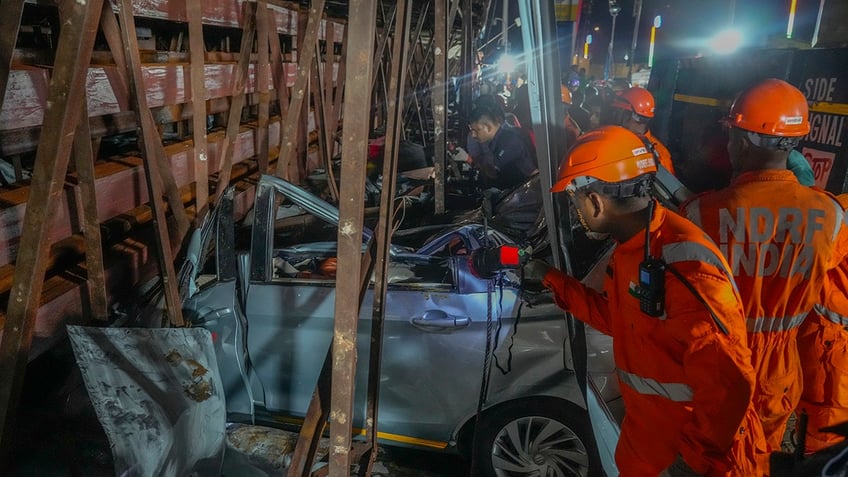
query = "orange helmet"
{"x": 609, "y": 154}
{"x": 772, "y": 107}
{"x": 566, "y": 94}
{"x": 638, "y": 100}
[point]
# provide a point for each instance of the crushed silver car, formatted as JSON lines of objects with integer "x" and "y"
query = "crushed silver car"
{"x": 269, "y": 305}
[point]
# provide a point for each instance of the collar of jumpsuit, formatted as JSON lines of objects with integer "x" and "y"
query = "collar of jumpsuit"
{"x": 638, "y": 239}
{"x": 765, "y": 175}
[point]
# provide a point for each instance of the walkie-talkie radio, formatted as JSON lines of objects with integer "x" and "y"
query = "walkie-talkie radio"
{"x": 651, "y": 288}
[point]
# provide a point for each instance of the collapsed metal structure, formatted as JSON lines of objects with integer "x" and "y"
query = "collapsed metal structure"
{"x": 161, "y": 112}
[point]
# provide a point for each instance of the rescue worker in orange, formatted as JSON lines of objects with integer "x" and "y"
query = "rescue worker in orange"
{"x": 685, "y": 372}
{"x": 823, "y": 347}
{"x": 635, "y": 110}
{"x": 779, "y": 237}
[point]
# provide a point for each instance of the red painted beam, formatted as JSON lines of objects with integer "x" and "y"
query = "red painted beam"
{"x": 119, "y": 187}
{"x": 166, "y": 85}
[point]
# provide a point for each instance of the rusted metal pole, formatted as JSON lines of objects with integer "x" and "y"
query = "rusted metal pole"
{"x": 291, "y": 121}
{"x": 334, "y": 118}
{"x": 360, "y": 38}
{"x": 469, "y": 58}
{"x": 148, "y": 140}
{"x": 277, "y": 66}
{"x": 263, "y": 85}
{"x": 145, "y": 121}
{"x": 198, "y": 106}
{"x": 326, "y": 129}
{"x": 234, "y": 117}
{"x": 324, "y": 138}
{"x": 10, "y": 23}
{"x": 65, "y": 97}
{"x": 439, "y": 100}
{"x": 384, "y": 227}
{"x": 84, "y": 157}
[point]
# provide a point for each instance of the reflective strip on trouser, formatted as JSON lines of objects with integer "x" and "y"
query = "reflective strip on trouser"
{"x": 832, "y": 315}
{"x": 763, "y": 325}
{"x": 673, "y": 391}
{"x": 695, "y": 252}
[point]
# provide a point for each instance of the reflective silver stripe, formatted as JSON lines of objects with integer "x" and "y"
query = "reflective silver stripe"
{"x": 840, "y": 217}
{"x": 763, "y": 325}
{"x": 832, "y": 315}
{"x": 697, "y": 252}
{"x": 673, "y": 391}
{"x": 691, "y": 251}
{"x": 693, "y": 212}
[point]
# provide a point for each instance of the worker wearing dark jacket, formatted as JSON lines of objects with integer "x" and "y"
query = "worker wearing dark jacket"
{"x": 779, "y": 237}
{"x": 512, "y": 160}
{"x": 823, "y": 348}
{"x": 682, "y": 361}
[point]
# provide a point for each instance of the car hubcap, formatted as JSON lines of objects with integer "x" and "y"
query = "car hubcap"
{"x": 538, "y": 446}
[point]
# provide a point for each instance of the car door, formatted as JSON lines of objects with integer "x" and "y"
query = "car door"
{"x": 434, "y": 339}
{"x": 434, "y": 336}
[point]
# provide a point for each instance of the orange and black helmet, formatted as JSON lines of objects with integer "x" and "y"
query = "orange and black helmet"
{"x": 608, "y": 154}
{"x": 637, "y": 100}
{"x": 771, "y": 107}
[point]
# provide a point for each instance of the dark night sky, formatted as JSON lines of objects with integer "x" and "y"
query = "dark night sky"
{"x": 687, "y": 24}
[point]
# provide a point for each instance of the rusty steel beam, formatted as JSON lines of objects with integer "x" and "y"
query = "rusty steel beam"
{"x": 10, "y": 23}
{"x": 469, "y": 57}
{"x": 324, "y": 137}
{"x": 65, "y": 98}
{"x": 314, "y": 423}
{"x": 84, "y": 156}
{"x": 17, "y": 141}
{"x": 197, "y": 53}
{"x": 234, "y": 117}
{"x": 263, "y": 84}
{"x": 278, "y": 69}
{"x": 361, "y": 31}
{"x": 112, "y": 33}
{"x": 335, "y": 116}
{"x": 384, "y": 228}
{"x": 384, "y": 40}
{"x": 222, "y": 13}
{"x": 127, "y": 60}
{"x": 155, "y": 166}
{"x": 439, "y": 100}
{"x": 293, "y": 117}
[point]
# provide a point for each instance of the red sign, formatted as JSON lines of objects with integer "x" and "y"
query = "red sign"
{"x": 821, "y": 162}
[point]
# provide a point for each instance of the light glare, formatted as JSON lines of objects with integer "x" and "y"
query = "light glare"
{"x": 726, "y": 41}
{"x": 506, "y": 64}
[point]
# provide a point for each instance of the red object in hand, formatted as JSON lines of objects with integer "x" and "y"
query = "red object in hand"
{"x": 509, "y": 255}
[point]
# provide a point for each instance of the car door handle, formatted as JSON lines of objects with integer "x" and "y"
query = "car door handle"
{"x": 437, "y": 320}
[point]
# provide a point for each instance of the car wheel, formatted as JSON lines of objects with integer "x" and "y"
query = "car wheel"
{"x": 540, "y": 438}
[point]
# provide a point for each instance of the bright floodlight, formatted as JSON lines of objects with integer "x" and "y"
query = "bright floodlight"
{"x": 506, "y": 64}
{"x": 726, "y": 41}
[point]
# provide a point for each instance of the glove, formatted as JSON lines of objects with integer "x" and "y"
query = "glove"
{"x": 461, "y": 155}
{"x": 679, "y": 468}
{"x": 535, "y": 271}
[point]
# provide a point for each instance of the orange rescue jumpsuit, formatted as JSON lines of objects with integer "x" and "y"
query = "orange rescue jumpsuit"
{"x": 662, "y": 151}
{"x": 780, "y": 238}
{"x": 686, "y": 386}
{"x": 823, "y": 347}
